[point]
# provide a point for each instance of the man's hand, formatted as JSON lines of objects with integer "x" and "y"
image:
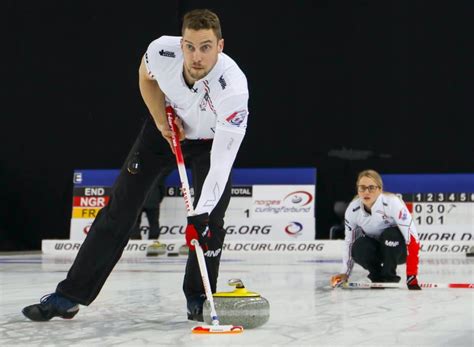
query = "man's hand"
{"x": 338, "y": 280}
{"x": 197, "y": 229}
{"x": 167, "y": 133}
{"x": 412, "y": 283}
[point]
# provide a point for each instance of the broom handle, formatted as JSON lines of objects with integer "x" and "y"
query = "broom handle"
{"x": 189, "y": 207}
{"x": 205, "y": 281}
{"x": 365, "y": 285}
{"x": 180, "y": 161}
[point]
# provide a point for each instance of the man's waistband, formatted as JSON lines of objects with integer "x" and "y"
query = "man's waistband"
{"x": 196, "y": 142}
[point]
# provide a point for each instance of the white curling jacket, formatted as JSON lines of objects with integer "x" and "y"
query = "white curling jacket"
{"x": 215, "y": 107}
{"x": 388, "y": 211}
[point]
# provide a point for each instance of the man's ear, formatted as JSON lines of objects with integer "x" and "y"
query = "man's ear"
{"x": 221, "y": 45}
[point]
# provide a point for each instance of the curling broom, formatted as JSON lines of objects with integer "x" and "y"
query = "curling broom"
{"x": 215, "y": 328}
{"x": 368, "y": 285}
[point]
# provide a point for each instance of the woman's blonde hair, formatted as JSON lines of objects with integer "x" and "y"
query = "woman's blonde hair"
{"x": 373, "y": 175}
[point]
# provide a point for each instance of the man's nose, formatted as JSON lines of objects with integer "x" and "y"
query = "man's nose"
{"x": 196, "y": 56}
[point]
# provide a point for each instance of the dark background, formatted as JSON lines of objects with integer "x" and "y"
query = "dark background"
{"x": 337, "y": 85}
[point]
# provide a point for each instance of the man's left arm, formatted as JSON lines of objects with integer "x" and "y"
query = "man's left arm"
{"x": 224, "y": 150}
{"x": 230, "y": 131}
{"x": 225, "y": 146}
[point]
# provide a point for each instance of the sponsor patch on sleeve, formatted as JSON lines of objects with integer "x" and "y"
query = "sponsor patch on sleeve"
{"x": 403, "y": 214}
{"x": 237, "y": 118}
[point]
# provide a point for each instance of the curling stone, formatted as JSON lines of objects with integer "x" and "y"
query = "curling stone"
{"x": 155, "y": 249}
{"x": 239, "y": 307}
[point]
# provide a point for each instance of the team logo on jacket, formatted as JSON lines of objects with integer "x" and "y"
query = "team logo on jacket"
{"x": 168, "y": 54}
{"x": 403, "y": 214}
{"x": 222, "y": 82}
{"x": 384, "y": 216}
{"x": 237, "y": 118}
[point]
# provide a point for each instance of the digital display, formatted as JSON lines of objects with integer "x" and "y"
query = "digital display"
{"x": 442, "y": 205}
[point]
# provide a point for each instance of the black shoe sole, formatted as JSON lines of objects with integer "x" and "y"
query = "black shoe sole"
{"x": 37, "y": 315}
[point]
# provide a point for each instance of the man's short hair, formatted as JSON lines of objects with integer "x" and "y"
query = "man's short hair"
{"x": 200, "y": 19}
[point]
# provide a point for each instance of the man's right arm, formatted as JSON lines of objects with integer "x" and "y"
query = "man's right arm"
{"x": 153, "y": 97}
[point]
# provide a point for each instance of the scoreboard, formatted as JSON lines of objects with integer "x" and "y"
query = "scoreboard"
{"x": 280, "y": 204}
{"x": 442, "y": 205}
{"x": 266, "y": 204}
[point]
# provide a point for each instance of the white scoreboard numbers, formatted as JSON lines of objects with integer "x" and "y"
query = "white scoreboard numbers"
{"x": 266, "y": 204}
{"x": 442, "y": 205}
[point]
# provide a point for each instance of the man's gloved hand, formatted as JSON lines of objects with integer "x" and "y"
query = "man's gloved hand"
{"x": 197, "y": 229}
{"x": 412, "y": 283}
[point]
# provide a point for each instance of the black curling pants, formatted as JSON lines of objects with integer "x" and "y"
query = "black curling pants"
{"x": 381, "y": 257}
{"x": 110, "y": 232}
